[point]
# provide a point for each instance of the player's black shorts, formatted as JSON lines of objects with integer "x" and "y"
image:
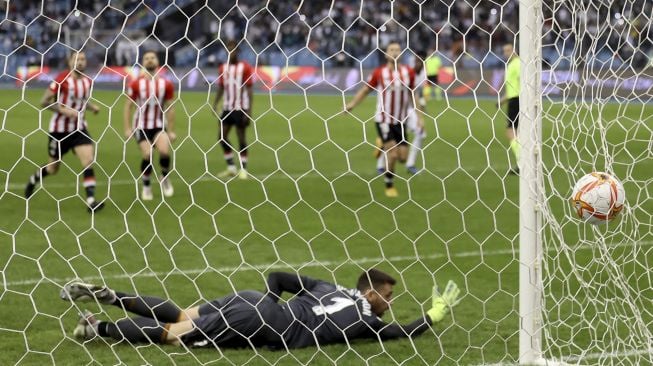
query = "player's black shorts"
{"x": 148, "y": 134}
{"x": 513, "y": 113}
{"x": 392, "y": 132}
{"x": 235, "y": 118}
{"x": 433, "y": 79}
{"x": 59, "y": 143}
{"x": 244, "y": 319}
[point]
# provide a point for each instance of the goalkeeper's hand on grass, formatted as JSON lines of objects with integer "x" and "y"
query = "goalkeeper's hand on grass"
{"x": 443, "y": 302}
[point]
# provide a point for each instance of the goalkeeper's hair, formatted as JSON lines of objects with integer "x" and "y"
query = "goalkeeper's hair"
{"x": 373, "y": 278}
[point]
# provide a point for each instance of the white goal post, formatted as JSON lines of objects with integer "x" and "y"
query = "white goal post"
{"x": 530, "y": 184}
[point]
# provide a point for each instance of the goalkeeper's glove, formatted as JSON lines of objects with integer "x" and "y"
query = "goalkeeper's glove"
{"x": 442, "y": 302}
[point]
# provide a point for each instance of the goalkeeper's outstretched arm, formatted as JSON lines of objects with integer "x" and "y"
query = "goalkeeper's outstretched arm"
{"x": 440, "y": 307}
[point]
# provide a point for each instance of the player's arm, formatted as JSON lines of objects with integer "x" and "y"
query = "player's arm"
{"x": 420, "y": 109}
{"x": 440, "y": 307}
{"x": 218, "y": 97}
{"x": 168, "y": 105}
{"x": 93, "y": 107}
{"x": 170, "y": 122}
{"x": 250, "y": 95}
{"x": 359, "y": 97}
{"x": 394, "y": 331}
{"x": 279, "y": 282}
{"x": 48, "y": 101}
{"x": 128, "y": 112}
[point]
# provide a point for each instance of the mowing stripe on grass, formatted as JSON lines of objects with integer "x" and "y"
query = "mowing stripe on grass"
{"x": 273, "y": 175}
{"x": 277, "y": 265}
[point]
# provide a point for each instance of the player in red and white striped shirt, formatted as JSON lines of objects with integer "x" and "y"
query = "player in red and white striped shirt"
{"x": 152, "y": 124}
{"x": 68, "y": 97}
{"x": 395, "y": 87}
{"x": 235, "y": 83}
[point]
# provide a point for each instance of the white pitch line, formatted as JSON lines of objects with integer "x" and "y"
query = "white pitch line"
{"x": 597, "y": 355}
{"x": 275, "y": 266}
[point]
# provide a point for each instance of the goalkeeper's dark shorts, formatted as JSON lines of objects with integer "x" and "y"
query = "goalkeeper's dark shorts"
{"x": 513, "y": 113}
{"x": 244, "y": 319}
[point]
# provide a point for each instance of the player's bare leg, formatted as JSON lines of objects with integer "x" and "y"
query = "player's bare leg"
{"x": 51, "y": 168}
{"x": 241, "y": 133}
{"x": 86, "y": 155}
{"x": 402, "y": 153}
{"x": 391, "y": 149}
{"x": 162, "y": 143}
{"x": 146, "y": 169}
{"x": 415, "y": 144}
{"x": 231, "y": 170}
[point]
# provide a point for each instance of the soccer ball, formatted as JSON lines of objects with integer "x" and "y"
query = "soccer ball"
{"x": 598, "y": 197}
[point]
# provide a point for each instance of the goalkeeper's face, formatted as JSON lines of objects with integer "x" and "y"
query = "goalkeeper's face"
{"x": 380, "y": 298}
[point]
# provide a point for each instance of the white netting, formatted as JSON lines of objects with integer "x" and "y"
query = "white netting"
{"x": 313, "y": 203}
{"x": 597, "y": 118}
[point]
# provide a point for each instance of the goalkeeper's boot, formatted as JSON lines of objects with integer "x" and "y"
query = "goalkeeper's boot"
{"x": 391, "y": 192}
{"x": 412, "y": 170}
{"x": 166, "y": 187}
{"x": 243, "y": 175}
{"x": 85, "y": 292}
{"x": 86, "y": 328}
{"x": 228, "y": 173}
{"x": 379, "y": 148}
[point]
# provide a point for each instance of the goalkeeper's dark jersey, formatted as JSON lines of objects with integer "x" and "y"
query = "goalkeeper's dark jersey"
{"x": 323, "y": 313}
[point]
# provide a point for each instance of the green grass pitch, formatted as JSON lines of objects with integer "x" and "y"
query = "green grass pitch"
{"x": 315, "y": 205}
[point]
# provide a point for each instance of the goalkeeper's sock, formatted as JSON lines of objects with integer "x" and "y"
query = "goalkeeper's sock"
{"x": 515, "y": 147}
{"x": 136, "y": 330}
{"x": 148, "y": 306}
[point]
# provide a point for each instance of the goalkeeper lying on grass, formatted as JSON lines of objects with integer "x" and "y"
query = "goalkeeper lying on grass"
{"x": 319, "y": 313}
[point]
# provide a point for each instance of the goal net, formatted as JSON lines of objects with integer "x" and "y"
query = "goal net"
{"x": 596, "y": 116}
{"x": 314, "y": 201}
